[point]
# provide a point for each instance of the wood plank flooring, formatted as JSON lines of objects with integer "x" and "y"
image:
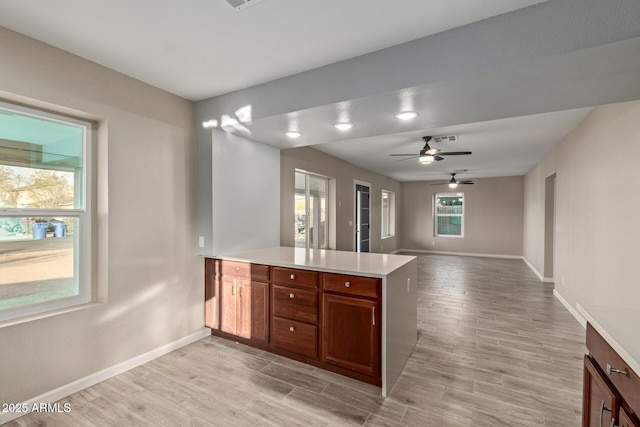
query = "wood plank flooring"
{"x": 495, "y": 349}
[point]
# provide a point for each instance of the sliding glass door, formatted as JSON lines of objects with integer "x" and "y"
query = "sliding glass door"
{"x": 311, "y": 227}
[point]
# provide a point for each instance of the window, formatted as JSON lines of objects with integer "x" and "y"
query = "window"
{"x": 388, "y": 214}
{"x": 310, "y": 210}
{"x": 449, "y": 215}
{"x": 45, "y": 212}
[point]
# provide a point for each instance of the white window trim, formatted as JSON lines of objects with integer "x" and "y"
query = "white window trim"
{"x": 436, "y": 215}
{"x": 392, "y": 214}
{"x": 83, "y": 243}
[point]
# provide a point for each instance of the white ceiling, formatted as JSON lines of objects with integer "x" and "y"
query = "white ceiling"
{"x": 202, "y": 48}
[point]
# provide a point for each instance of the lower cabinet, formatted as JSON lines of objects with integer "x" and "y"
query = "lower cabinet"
{"x": 611, "y": 389}
{"x": 294, "y": 302}
{"x": 600, "y": 401}
{"x": 329, "y": 320}
{"x": 350, "y": 331}
{"x": 235, "y": 303}
{"x": 244, "y": 308}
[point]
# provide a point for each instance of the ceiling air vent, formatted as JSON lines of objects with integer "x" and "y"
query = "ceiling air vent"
{"x": 239, "y": 5}
{"x": 449, "y": 138}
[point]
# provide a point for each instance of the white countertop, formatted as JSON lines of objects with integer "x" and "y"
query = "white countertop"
{"x": 620, "y": 328}
{"x": 357, "y": 263}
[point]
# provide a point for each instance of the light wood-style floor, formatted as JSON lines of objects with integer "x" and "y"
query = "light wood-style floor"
{"x": 495, "y": 348}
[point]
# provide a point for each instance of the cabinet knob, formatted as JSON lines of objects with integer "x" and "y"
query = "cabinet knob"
{"x": 347, "y": 284}
{"x": 292, "y": 296}
{"x": 293, "y": 276}
{"x": 237, "y": 268}
{"x": 292, "y": 328}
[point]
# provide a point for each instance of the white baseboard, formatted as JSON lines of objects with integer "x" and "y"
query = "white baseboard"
{"x": 535, "y": 271}
{"x": 570, "y": 309}
{"x": 422, "y": 251}
{"x": 95, "y": 378}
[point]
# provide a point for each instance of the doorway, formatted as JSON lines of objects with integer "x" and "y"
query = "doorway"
{"x": 362, "y": 216}
{"x": 549, "y": 226}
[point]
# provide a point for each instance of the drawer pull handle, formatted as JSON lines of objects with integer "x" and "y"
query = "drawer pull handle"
{"x": 292, "y": 328}
{"x": 373, "y": 316}
{"x": 347, "y": 284}
{"x": 293, "y": 276}
{"x": 611, "y": 370}
{"x": 292, "y": 296}
{"x": 602, "y": 409}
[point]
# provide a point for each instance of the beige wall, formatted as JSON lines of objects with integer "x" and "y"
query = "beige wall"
{"x": 597, "y": 209}
{"x": 147, "y": 245}
{"x": 344, "y": 173}
{"x": 493, "y": 220}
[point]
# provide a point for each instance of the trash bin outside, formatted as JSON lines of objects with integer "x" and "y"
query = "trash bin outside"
{"x": 39, "y": 230}
{"x": 60, "y": 229}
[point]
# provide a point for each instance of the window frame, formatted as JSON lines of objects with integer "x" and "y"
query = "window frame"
{"x": 83, "y": 244}
{"x": 390, "y": 211}
{"x": 436, "y": 215}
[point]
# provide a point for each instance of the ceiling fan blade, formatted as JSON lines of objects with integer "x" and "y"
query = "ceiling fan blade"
{"x": 440, "y": 183}
{"x": 437, "y": 158}
{"x": 465, "y": 182}
{"x": 454, "y": 153}
{"x": 413, "y": 154}
{"x": 408, "y": 158}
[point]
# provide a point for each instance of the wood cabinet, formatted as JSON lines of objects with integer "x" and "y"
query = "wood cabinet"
{"x": 351, "y": 323}
{"x": 236, "y": 304}
{"x": 611, "y": 388}
{"x": 601, "y": 402}
{"x": 325, "y": 319}
{"x": 294, "y": 324}
{"x": 244, "y": 308}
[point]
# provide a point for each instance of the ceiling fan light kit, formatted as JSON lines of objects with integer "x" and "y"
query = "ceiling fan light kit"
{"x": 426, "y": 159}
{"x": 453, "y": 182}
{"x": 428, "y": 155}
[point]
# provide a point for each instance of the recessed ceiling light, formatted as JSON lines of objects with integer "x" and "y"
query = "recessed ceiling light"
{"x": 343, "y": 126}
{"x": 406, "y": 115}
{"x": 293, "y": 134}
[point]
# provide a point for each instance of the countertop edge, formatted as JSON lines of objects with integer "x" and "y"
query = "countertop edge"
{"x": 628, "y": 358}
{"x": 325, "y": 269}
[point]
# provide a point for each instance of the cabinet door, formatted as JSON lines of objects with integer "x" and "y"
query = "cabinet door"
{"x": 228, "y": 304}
{"x": 253, "y": 305}
{"x": 601, "y": 404}
{"x": 350, "y": 331}
{"x": 211, "y": 295}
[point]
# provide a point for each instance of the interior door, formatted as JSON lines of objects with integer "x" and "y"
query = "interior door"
{"x": 362, "y": 218}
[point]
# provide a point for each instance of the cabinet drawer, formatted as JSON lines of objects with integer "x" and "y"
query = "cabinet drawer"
{"x": 295, "y": 336}
{"x": 295, "y": 303}
{"x": 626, "y": 420}
{"x": 245, "y": 269}
{"x": 295, "y": 277}
{"x": 352, "y": 285}
{"x": 627, "y": 382}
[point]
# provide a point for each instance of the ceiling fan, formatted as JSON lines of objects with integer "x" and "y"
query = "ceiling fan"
{"x": 453, "y": 182}
{"x": 428, "y": 154}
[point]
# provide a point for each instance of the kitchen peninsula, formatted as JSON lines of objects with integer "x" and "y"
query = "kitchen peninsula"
{"x": 348, "y": 312}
